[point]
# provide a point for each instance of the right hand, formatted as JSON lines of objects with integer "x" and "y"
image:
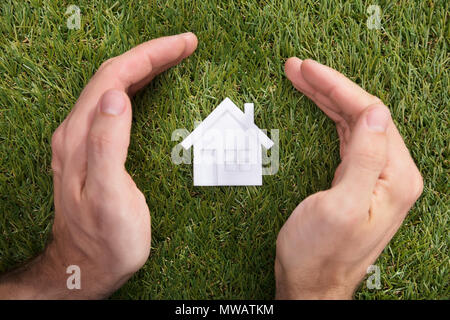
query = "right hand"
{"x": 326, "y": 245}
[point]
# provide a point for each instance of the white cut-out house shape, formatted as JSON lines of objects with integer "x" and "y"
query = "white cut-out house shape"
{"x": 227, "y": 147}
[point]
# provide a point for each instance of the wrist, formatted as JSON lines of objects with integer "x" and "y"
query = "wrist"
{"x": 292, "y": 292}
{"x": 35, "y": 279}
{"x": 95, "y": 279}
{"x": 47, "y": 277}
{"x": 297, "y": 286}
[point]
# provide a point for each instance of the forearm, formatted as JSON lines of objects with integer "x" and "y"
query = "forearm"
{"x": 45, "y": 277}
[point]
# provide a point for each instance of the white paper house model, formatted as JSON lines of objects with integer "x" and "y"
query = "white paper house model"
{"x": 227, "y": 147}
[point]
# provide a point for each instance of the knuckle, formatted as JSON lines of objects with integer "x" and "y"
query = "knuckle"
{"x": 56, "y": 145}
{"x": 106, "y": 64}
{"x": 415, "y": 186}
{"x": 369, "y": 159}
{"x": 408, "y": 188}
{"x": 57, "y": 139}
{"x": 334, "y": 91}
{"x": 141, "y": 197}
{"x": 98, "y": 143}
{"x": 374, "y": 100}
{"x": 281, "y": 241}
{"x": 56, "y": 166}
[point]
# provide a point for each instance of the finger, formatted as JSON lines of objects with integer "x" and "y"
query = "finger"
{"x": 293, "y": 72}
{"x": 191, "y": 45}
{"x": 366, "y": 156}
{"x": 160, "y": 54}
{"x": 136, "y": 66}
{"x": 343, "y": 101}
{"x": 335, "y": 94}
{"x": 144, "y": 61}
{"x": 131, "y": 70}
{"x": 402, "y": 173}
{"x": 108, "y": 139}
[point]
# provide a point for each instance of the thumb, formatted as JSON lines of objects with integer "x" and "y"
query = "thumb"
{"x": 109, "y": 136}
{"x": 366, "y": 155}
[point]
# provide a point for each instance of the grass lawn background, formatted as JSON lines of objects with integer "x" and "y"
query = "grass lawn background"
{"x": 220, "y": 242}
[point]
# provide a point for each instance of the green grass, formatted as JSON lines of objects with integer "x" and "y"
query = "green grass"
{"x": 220, "y": 242}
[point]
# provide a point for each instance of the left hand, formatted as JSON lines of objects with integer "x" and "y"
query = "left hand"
{"x": 102, "y": 222}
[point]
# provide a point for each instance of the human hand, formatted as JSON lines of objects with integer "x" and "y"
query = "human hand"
{"x": 326, "y": 245}
{"x": 102, "y": 221}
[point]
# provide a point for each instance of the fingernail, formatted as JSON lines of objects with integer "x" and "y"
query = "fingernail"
{"x": 190, "y": 41}
{"x": 113, "y": 103}
{"x": 378, "y": 119}
{"x": 186, "y": 34}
